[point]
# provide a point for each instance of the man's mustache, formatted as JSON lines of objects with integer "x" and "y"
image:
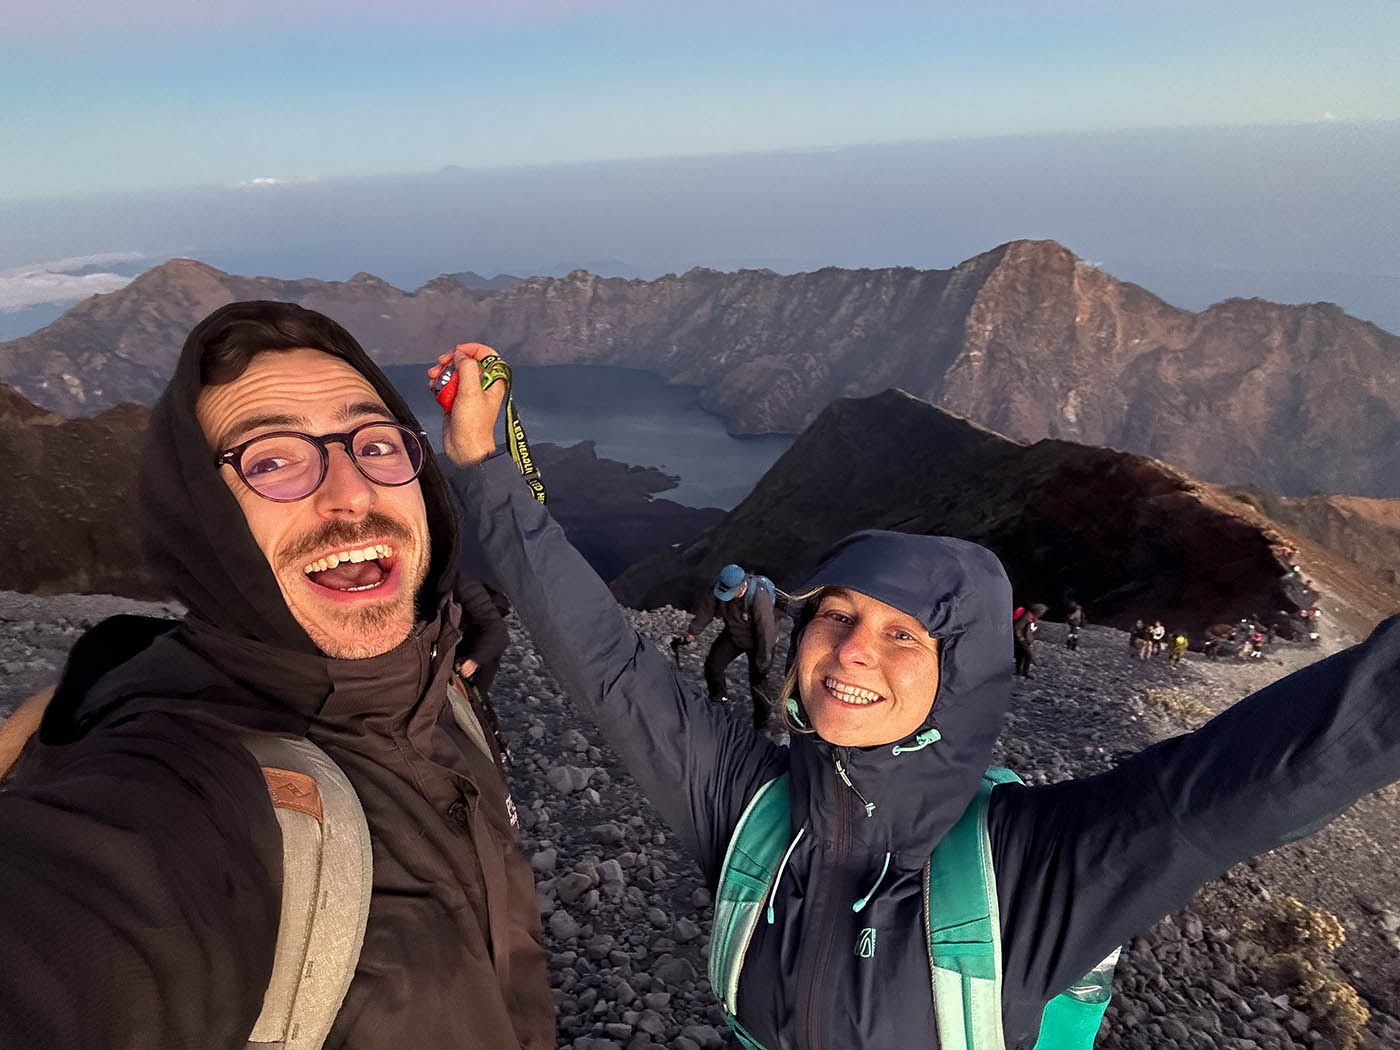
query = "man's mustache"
{"x": 339, "y": 535}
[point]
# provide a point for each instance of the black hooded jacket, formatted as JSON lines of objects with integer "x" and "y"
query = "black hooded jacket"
{"x": 143, "y": 857}
{"x": 1081, "y": 866}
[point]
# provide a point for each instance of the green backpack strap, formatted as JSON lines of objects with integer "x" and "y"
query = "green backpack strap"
{"x": 964, "y": 936}
{"x": 327, "y": 879}
{"x": 750, "y": 863}
{"x": 964, "y": 929}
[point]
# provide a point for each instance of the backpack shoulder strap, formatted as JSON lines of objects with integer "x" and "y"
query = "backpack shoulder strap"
{"x": 964, "y": 929}
{"x": 964, "y": 934}
{"x": 465, "y": 716}
{"x": 326, "y": 885}
{"x": 750, "y": 862}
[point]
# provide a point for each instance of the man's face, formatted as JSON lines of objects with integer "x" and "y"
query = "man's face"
{"x": 357, "y": 608}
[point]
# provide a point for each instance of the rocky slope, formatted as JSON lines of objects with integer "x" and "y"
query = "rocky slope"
{"x": 627, "y": 921}
{"x": 67, "y": 513}
{"x": 1026, "y": 339}
{"x": 69, "y": 522}
{"x": 1129, "y": 537}
{"x": 1366, "y": 531}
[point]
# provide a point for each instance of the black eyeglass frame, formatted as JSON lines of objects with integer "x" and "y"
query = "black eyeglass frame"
{"x": 233, "y": 456}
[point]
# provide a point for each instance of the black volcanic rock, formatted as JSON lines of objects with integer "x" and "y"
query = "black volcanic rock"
{"x": 67, "y": 515}
{"x": 1127, "y": 536}
{"x": 1026, "y": 339}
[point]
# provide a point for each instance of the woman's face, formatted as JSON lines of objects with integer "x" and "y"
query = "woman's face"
{"x": 867, "y": 672}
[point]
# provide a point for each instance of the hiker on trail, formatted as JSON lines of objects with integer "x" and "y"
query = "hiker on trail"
{"x": 1024, "y": 625}
{"x": 1177, "y": 649}
{"x": 900, "y": 679}
{"x": 745, "y": 604}
{"x": 290, "y": 502}
{"x": 1158, "y": 634}
{"x": 1219, "y": 638}
{"x": 1074, "y": 621}
{"x": 484, "y": 634}
{"x": 1141, "y": 640}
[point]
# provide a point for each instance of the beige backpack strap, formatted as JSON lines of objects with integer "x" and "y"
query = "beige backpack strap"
{"x": 465, "y": 716}
{"x": 326, "y": 885}
{"x": 22, "y": 723}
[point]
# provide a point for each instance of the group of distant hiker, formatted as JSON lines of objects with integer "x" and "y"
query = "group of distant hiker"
{"x": 1148, "y": 640}
{"x": 281, "y": 820}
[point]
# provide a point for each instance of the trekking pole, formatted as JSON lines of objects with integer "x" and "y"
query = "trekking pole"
{"x": 676, "y": 644}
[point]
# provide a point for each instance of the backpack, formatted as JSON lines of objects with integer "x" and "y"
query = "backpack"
{"x": 961, "y": 920}
{"x": 757, "y": 581}
{"x": 327, "y": 879}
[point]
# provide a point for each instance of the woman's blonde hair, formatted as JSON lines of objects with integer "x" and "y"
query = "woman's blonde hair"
{"x": 789, "y": 690}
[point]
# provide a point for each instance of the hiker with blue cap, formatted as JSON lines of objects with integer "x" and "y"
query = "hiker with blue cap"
{"x": 745, "y": 603}
{"x": 877, "y": 882}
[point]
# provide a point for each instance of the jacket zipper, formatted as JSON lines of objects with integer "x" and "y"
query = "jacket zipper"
{"x": 816, "y": 995}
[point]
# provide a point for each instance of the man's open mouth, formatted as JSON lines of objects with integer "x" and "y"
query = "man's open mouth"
{"x": 354, "y": 569}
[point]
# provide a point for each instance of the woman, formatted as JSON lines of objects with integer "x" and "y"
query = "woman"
{"x": 900, "y": 680}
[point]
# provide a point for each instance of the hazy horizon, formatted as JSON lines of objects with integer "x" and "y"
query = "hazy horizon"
{"x": 1295, "y": 213}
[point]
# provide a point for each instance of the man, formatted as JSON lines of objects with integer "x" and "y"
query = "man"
{"x": 1074, "y": 620}
{"x": 750, "y": 627}
{"x": 289, "y": 502}
{"x": 1024, "y": 626}
{"x": 484, "y": 633}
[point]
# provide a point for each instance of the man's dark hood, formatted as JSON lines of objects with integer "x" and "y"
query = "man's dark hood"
{"x": 919, "y": 785}
{"x": 195, "y": 536}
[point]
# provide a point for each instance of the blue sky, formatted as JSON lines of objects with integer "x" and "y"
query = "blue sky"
{"x": 1202, "y": 149}
{"x": 150, "y": 94}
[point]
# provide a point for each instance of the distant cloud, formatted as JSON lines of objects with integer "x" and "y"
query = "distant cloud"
{"x": 62, "y": 280}
{"x": 273, "y": 180}
{"x": 1329, "y": 115}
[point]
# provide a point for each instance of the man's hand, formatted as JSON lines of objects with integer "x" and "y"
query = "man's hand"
{"x": 468, "y": 668}
{"x": 468, "y": 431}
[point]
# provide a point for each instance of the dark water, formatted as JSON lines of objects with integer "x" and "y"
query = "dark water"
{"x": 633, "y": 417}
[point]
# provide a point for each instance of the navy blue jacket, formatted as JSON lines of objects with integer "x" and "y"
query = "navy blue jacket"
{"x": 1081, "y": 866}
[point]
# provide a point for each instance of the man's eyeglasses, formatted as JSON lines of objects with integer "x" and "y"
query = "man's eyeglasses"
{"x": 286, "y": 466}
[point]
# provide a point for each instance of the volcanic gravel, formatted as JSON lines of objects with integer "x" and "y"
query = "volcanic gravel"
{"x": 627, "y": 921}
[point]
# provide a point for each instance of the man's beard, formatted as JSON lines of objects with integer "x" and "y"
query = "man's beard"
{"x": 371, "y": 628}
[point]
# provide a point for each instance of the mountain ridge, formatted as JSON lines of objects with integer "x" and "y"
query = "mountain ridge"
{"x": 1026, "y": 338}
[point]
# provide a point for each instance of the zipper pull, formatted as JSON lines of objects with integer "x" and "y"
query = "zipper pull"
{"x": 845, "y": 779}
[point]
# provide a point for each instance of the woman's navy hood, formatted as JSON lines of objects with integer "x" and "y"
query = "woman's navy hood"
{"x": 194, "y": 533}
{"x": 960, "y": 593}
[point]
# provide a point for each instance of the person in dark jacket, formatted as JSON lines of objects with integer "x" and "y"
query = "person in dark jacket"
{"x": 750, "y": 628}
{"x": 484, "y": 634}
{"x": 1023, "y": 630}
{"x": 901, "y": 679}
{"x": 317, "y": 568}
{"x": 1074, "y": 622}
